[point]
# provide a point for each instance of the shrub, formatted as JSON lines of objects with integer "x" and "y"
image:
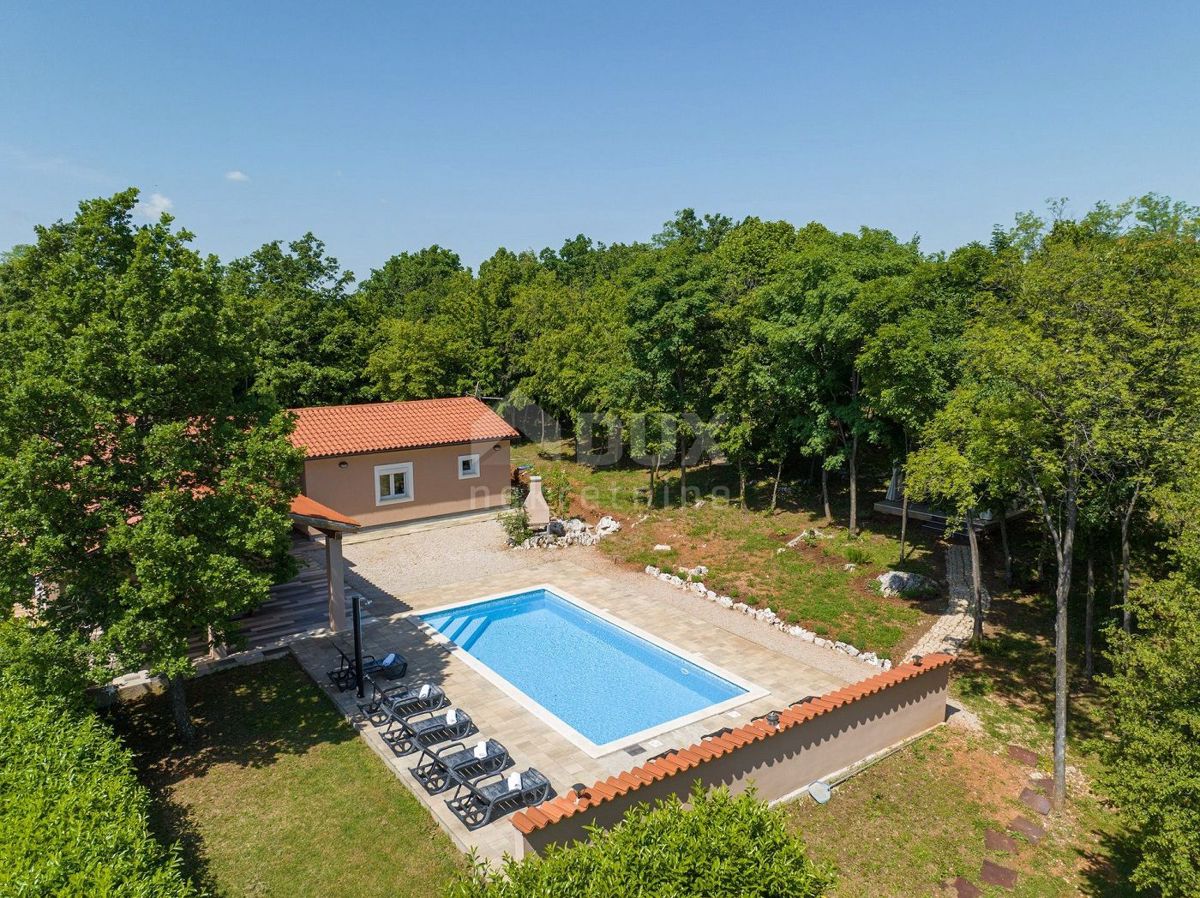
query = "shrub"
{"x": 556, "y": 487}
{"x": 73, "y": 818}
{"x": 857, "y": 555}
{"x": 33, "y": 656}
{"x": 1154, "y": 755}
{"x": 515, "y": 522}
{"x": 722, "y": 847}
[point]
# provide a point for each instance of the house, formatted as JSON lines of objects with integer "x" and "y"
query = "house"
{"x": 394, "y": 462}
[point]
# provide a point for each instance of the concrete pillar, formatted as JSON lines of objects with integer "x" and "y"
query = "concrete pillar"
{"x": 335, "y": 573}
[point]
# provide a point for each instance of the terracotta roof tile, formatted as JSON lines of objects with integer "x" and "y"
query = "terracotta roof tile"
{"x": 333, "y": 430}
{"x": 677, "y": 761}
{"x": 314, "y": 511}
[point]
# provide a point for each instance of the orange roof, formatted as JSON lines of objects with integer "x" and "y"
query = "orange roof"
{"x": 314, "y": 512}
{"x": 332, "y": 430}
{"x": 683, "y": 759}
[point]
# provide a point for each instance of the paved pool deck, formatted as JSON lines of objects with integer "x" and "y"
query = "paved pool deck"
{"x": 530, "y": 741}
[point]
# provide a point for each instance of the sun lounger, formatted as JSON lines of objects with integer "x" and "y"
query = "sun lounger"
{"x": 404, "y": 700}
{"x": 404, "y": 734}
{"x": 392, "y": 665}
{"x": 440, "y": 768}
{"x": 477, "y": 803}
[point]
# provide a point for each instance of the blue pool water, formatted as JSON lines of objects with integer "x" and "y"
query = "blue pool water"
{"x": 596, "y": 677}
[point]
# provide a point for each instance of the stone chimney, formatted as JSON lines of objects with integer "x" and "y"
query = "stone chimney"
{"x": 535, "y": 505}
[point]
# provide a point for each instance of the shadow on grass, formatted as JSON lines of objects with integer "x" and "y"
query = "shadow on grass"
{"x": 247, "y": 716}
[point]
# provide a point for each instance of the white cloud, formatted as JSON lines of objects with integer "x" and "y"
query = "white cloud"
{"x": 236, "y": 175}
{"x": 153, "y": 206}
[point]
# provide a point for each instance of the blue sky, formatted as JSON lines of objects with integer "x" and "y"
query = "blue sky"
{"x": 389, "y": 127}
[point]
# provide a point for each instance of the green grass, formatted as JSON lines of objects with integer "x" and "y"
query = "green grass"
{"x": 280, "y": 797}
{"x": 807, "y": 585}
{"x": 916, "y": 820}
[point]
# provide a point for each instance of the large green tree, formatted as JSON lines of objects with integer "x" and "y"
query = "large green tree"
{"x": 1062, "y": 383}
{"x": 308, "y": 339}
{"x": 144, "y": 482}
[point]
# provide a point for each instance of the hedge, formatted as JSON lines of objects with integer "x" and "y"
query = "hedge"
{"x": 722, "y": 847}
{"x": 73, "y": 818}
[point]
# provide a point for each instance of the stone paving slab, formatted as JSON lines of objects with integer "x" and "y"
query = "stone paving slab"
{"x": 964, "y": 888}
{"x": 531, "y": 741}
{"x": 1035, "y": 801}
{"x": 1023, "y": 755}
{"x": 997, "y": 841}
{"x": 1027, "y": 828}
{"x": 995, "y": 875}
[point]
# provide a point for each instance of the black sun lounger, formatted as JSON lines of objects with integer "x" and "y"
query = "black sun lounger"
{"x": 404, "y": 700}
{"x": 440, "y": 768}
{"x": 393, "y": 666}
{"x": 404, "y": 734}
{"x": 479, "y": 802}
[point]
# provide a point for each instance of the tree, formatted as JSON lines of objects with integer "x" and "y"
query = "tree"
{"x": 910, "y": 360}
{"x": 1054, "y": 383}
{"x": 144, "y": 484}
{"x": 673, "y": 330}
{"x": 1153, "y": 758}
{"x": 720, "y": 846}
{"x": 308, "y": 341}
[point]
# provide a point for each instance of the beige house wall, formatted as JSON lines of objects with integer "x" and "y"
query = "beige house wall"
{"x": 436, "y": 487}
{"x": 781, "y": 764}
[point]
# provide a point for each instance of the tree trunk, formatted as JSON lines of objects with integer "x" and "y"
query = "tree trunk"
{"x": 903, "y": 523}
{"x": 653, "y": 472}
{"x": 683, "y": 499}
{"x": 1126, "y": 519}
{"x": 775, "y": 489}
{"x": 825, "y": 491}
{"x": 853, "y": 471}
{"x": 1089, "y": 664}
{"x": 742, "y": 484}
{"x": 976, "y": 584}
{"x": 179, "y": 709}
{"x": 1064, "y": 553}
{"x": 1008, "y": 576}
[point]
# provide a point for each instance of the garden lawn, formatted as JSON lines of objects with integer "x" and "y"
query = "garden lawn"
{"x": 745, "y": 549}
{"x": 280, "y": 797}
{"x": 911, "y": 823}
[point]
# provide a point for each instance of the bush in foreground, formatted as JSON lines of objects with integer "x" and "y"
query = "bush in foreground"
{"x": 73, "y": 819}
{"x": 1153, "y": 761}
{"x": 722, "y": 847}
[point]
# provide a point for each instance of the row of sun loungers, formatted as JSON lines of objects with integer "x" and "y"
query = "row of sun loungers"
{"x": 419, "y": 719}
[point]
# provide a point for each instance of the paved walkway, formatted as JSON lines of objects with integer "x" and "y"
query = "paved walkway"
{"x": 531, "y": 741}
{"x": 953, "y": 629}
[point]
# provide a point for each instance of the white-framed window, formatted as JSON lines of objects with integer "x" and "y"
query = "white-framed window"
{"x": 393, "y": 483}
{"x": 468, "y": 466}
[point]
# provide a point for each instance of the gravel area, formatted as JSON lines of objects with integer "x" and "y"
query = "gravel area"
{"x": 408, "y": 561}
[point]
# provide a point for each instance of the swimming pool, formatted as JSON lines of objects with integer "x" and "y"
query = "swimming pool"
{"x": 599, "y": 681}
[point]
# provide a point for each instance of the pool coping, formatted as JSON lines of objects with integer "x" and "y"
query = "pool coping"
{"x": 752, "y": 692}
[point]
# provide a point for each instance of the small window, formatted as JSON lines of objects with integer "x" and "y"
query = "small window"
{"x": 468, "y": 466}
{"x": 393, "y": 483}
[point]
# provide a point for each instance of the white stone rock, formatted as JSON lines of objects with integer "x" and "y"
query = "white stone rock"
{"x": 849, "y": 566}
{"x": 710, "y": 595}
{"x": 894, "y": 583}
{"x": 662, "y": 547}
{"x": 725, "y": 601}
{"x": 698, "y": 588}
{"x": 652, "y": 570}
{"x": 741, "y": 606}
{"x": 675, "y": 581}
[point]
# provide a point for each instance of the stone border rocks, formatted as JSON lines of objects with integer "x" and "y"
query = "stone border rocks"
{"x": 689, "y": 583}
{"x": 571, "y": 532}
